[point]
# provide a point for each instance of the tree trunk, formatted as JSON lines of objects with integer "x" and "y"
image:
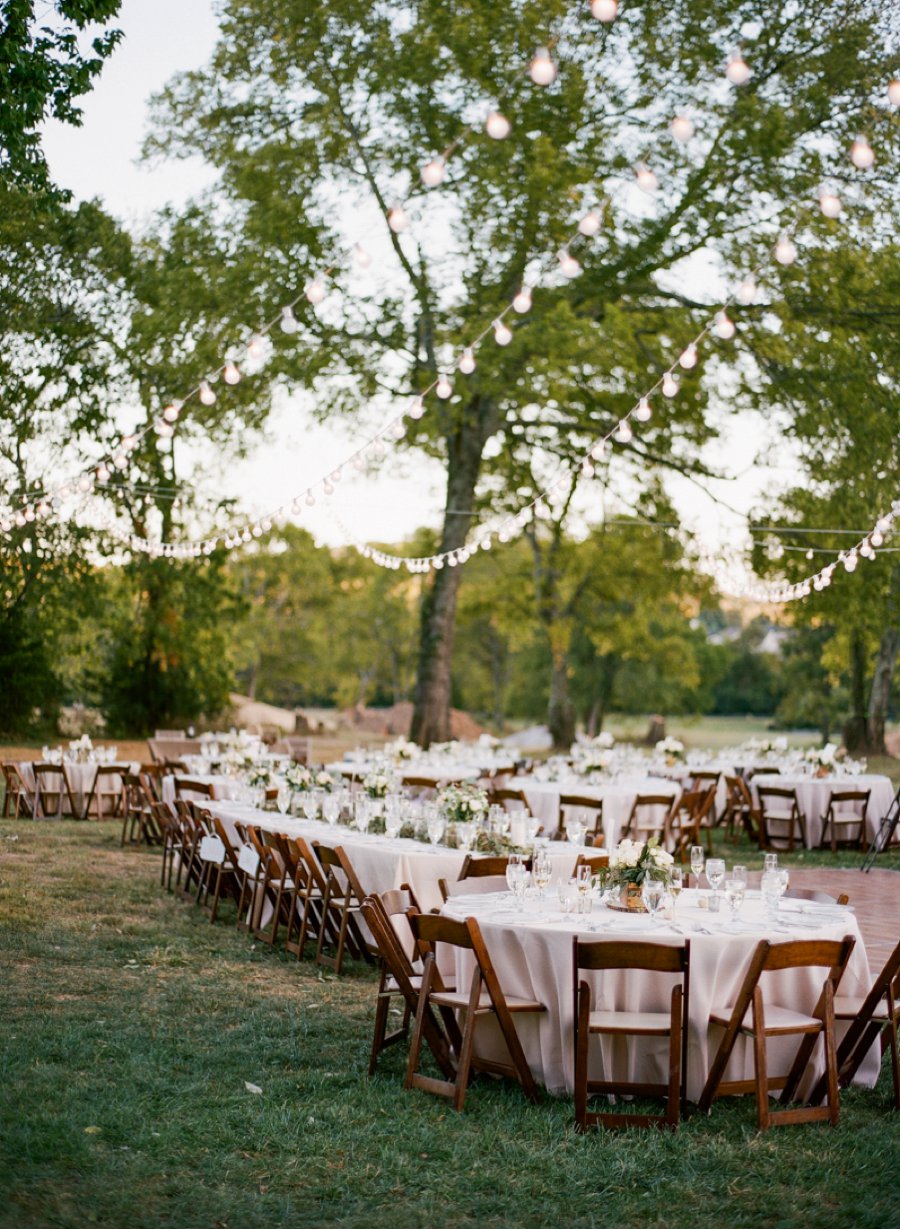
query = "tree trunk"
{"x": 881, "y": 689}
{"x": 855, "y": 731}
{"x": 431, "y": 712}
{"x": 560, "y": 712}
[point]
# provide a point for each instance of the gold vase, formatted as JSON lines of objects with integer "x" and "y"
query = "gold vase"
{"x": 631, "y": 898}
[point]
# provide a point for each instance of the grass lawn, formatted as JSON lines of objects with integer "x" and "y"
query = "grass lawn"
{"x": 130, "y": 1026}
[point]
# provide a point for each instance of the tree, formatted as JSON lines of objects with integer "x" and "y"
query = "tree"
{"x": 43, "y": 71}
{"x": 304, "y": 105}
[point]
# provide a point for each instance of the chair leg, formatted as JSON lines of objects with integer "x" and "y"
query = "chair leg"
{"x": 831, "y": 1070}
{"x": 760, "y": 1065}
{"x": 673, "y": 1106}
{"x": 582, "y": 1038}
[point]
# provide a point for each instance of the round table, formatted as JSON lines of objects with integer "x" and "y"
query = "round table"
{"x": 813, "y": 794}
{"x": 617, "y": 798}
{"x": 532, "y": 953}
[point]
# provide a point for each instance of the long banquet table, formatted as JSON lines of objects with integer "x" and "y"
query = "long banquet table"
{"x": 381, "y": 862}
{"x": 813, "y": 794}
{"x": 81, "y": 780}
{"x": 532, "y": 954}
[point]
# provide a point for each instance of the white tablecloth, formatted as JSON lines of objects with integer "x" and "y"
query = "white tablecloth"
{"x": 444, "y": 773}
{"x": 81, "y": 780}
{"x": 617, "y": 797}
{"x": 532, "y": 954}
{"x": 381, "y": 862}
{"x": 225, "y": 787}
{"x": 813, "y": 794}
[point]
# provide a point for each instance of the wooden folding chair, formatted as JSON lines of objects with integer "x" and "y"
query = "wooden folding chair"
{"x": 645, "y": 819}
{"x": 690, "y": 821}
{"x": 419, "y": 787}
{"x": 502, "y": 796}
{"x": 309, "y": 916}
{"x": 192, "y": 832}
{"x": 187, "y": 785}
{"x": 771, "y": 1019}
{"x": 222, "y": 869}
{"x": 597, "y": 862}
{"x": 814, "y": 894}
{"x": 484, "y": 997}
{"x": 169, "y": 824}
{"x": 845, "y": 817}
{"x": 739, "y": 810}
{"x": 105, "y": 798}
{"x": 17, "y": 798}
{"x": 610, "y": 1021}
{"x": 342, "y": 899}
{"x": 593, "y": 823}
{"x": 878, "y": 1014}
{"x": 52, "y": 788}
{"x": 400, "y": 976}
{"x": 781, "y": 821}
{"x": 483, "y": 886}
{"x": 477, "y": 866}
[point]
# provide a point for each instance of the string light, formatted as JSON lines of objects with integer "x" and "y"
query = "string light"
{"x": 398, "y": 219}
{"x": 724, "y": 326}
{"x": 669, "y": 385}
{"x": 605, "y": 10}
{"x": 497, "y": 126}
{"x": 443, "y": 388}
{"x": 893, "y": 92}
{"x": 288, "y": 322}
{"x": 737, "y": 70}
{"x": 502, "y": 333}
{"x": 829, "y": 203}
{"x": 361, "y": 256}
{"x": 862, "y": 155}
{"x": 522, "y": 302}
{"x": 590, "y": 223}
{"x": 542, "y": 69}
{"x": 643, "y": 412}
{"x": 682, "y": 128}
{"x": 688, "y": 358}
{"x": 207, "y": 394}
{"x": 230, "y": 374}
{"x": 433, "y": 172}
{"x": 569, "y": 266}
{"x": 315, "y": 291}
{"x": 466, "y": 362}
{"x": 646, "y": 179}
{"x": 785, "y": 251}
{"x": 255, "y": 346}
{"x": 747, "y": 290}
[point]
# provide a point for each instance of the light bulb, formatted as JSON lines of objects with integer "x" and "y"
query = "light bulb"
{"x": 315, "y": 291}
{"x": 866, "y": 550}
{"x": 486, "y": 543}
{"x": 669, "y": 385}
{"x": 433, "y": 172}
{"x": 587, "y": 469}
{"x": 102, "y": 473}
{"x": 466, "y": 362}
{"x": 129, "y": 442}
{"x": 643, "y": 413}
{"x": 163, "y": 430}
{"x": 497, "y": 126}
{"x": 724, "y": 326}
{"x": 598, "y": 450}
{"x": 590, "y": 223}
{"x": 682, "y": 128}
{"x": 288, "y": 321}
{"x": 502, "y": 333}
{"x": 747, "y": 290}
{"x": 255, "y": 346}
{"x": 437, "y": 563}
{"x": 120, "y": 461}
{"x": 876, "y": 538}
{"x": 359, "y": 461}
{"x": 443, "y": 388}
{"x": 398, "y": 219}
{"x": 522, "y": 302}
{"x": 605, "y": 10}
{"x": 569, "y": 266}
{"x": 20, "y": 519}
{"x": 862, "y": 154}
{"x": 171, "y": 412}
{"x": 542, "y": 68}
{"x": 416, "y": 408}
{"x": 362, "y": 257}
{"x": 850, "y": 561}
{"x": 378, "y": 449}
{"x": 231, "y": 375}
{"x": 737, "y": 70}
{"x": 327, "y": 488}
{"x": 688, "y": 357}
{"x": 624, "y": 433}
{"x": 646, "y": 180}
{"x": 893, "y": 92}
{"x": 829, "y": 203}
{"x": 207, "y": 394}
{"x": 785, "y": 251}
{"x": 399, "y": 429}
{"x": 310, "y": 499}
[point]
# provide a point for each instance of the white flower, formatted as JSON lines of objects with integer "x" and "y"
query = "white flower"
{"x": 604, "y": 740}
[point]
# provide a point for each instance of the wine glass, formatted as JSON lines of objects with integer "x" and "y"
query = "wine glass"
{"x": 435, "y": 829}
{"x": 541, "y": 870}
{"x": 363, "y": 813}
{"x": 734, "y": 895}
{"x": 676, "y": 884}
{"x": 331, "y": 809}
{"x": 715, "y": 873}
{"x": 740, "y": 874}
{"x": 584, "y": 883}
{"x": 653, "y": 893}
{"x": 575, "y": 830}
{"x": 770, "y": 863}
{"x": 514, "y": 867}
{"x": 698, "y": 858}
{"x": 532, "y": 826}
{"x": 568, "y": 891}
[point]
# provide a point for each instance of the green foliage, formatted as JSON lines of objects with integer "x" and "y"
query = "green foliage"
{"x": 43, "y": 71}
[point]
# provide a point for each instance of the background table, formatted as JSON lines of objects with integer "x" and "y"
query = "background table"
{"x": 813, "y": 794}
{"x": 81, "y": 780}
{"x": 532, "y": 954}
{"x": 617, "y": 797}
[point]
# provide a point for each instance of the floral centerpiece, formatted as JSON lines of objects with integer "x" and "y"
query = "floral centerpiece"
{"x": 236, "y": 760}
{"x": 261, "y": 775}
{"x": 463, "y": 804}
{"x": 81, "y": 748}
{"x": 633, "y": 862}
{"x": 672, "y": 750}
{"x": 402, "y": 749}
{"x": 595, "y": 761}
{"x": 377, "y": 784}
{"x": 824, "y": 759}
{"x": 767, "y": 746}
{"x": 298, "y": 778}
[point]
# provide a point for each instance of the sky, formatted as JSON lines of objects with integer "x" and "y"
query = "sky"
{"x": 101, "y": 159}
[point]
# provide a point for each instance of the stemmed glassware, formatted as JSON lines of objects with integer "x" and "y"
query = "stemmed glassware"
{"x": 541, "y": 870}
{"x": 575, "y": 830}
{"x": 514, "y": 867}
{"x": 465, "y": 835}
{"x": 584, "y": 881}
{"x": 715, "y": 873}
{"x": 331, "y": 809}
{"x": 698, "y": 858}
{"x": 676, "y": 884}
{"x": 735, "y": 890}
{"x": 435, "y": 828}
{"x": 653, "y": 894}
{"x": 532, "y": 826}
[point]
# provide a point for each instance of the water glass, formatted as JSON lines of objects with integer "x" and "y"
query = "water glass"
{"x": 331, "y": 809}
{"x": 715, "y": 873}
{"x": 740, "y": 874}
{"x": 575, "y": 830}
{"x": 532, "y": 826}
{"x": 435, "y": 829}
{"x": 653, "y": 894}
{"x": 771, "y": 891}
{"x": 771, "y": 862}
{"x": 514, "y": 868}
{"x": 541, "y": 870}
{"x": 569, "y": 893}
{"x": 734, "y": 895}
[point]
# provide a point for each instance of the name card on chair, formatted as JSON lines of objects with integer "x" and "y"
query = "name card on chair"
{"x": 212, "y": 849}
{"x": 248, "y": 859}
